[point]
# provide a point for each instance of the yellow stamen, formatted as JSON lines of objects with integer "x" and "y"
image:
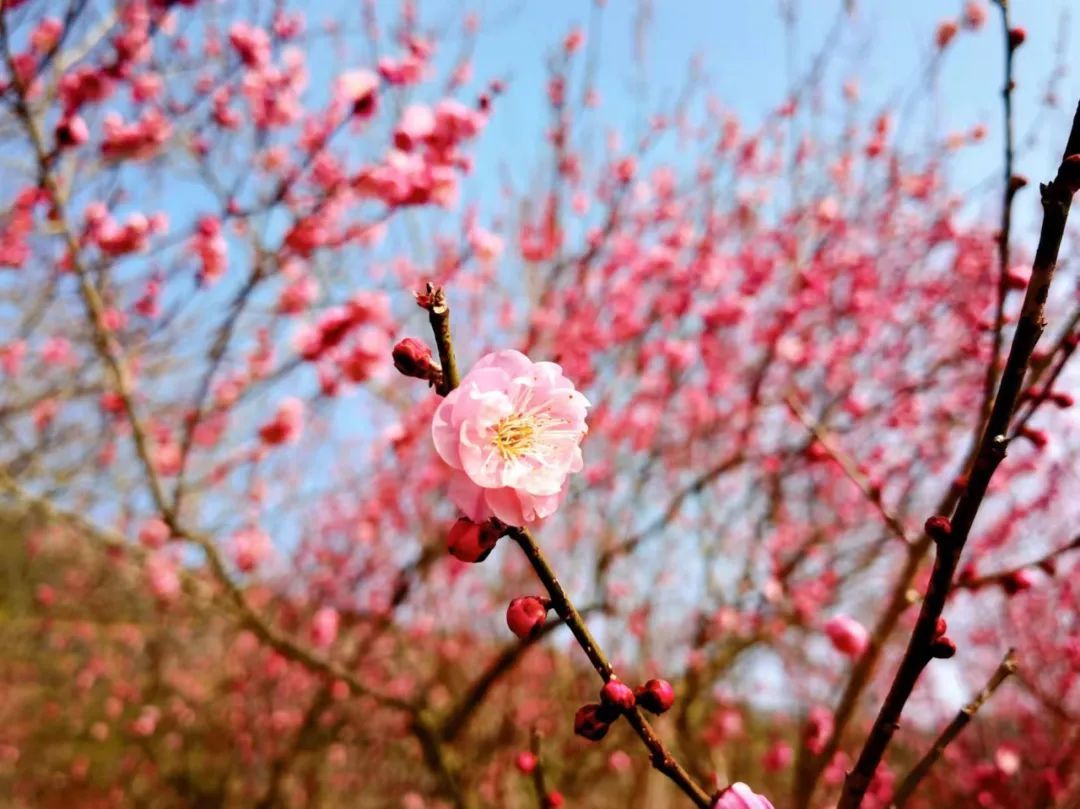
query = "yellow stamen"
{"x": 514, "y": 435}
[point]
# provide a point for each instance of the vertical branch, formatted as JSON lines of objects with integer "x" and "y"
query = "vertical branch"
{"x": 953, "y": 729}
{"x": 1011, "y": 184}
{"x": 434, "y": 300}
{"x": 1056, "y": 201}
{"x": 539, "y": 782}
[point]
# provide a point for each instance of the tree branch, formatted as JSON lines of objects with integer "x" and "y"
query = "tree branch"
{"x": 1056, "y": 200}
{"x": 953, "y": 729}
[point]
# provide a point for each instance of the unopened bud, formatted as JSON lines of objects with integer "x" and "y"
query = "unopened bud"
{"x": 1017, "y": 581}
{"x": 939, "y": 528}
{"x": 589, "y": 724}
{"x": 526, "y": 616}
{"x": 525, "y": 762}
{"x": 1017, "y": 36}
{"x": 656, "y": 696}
{"x": 470, "y": 541}
{"x": 618, "y": 695}
{"x": 1037, "y": 437}
{"x": 413, "y": 358}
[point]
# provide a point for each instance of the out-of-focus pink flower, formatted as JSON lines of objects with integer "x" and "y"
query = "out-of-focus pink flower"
{"x": 250, "y": 547}
{"x": 974, "y": 14}
{"x": 359, "y": 89}
{"x": 512, "y": 431}
{"x": 324, "y": 627}
{"x": 154, "y": 533}
{"x": 287, "y": 424}
{"x": 946, "y": 30}
{"x": 847, "y": 635}
{"x": 163, "y": 576}
{"x": 740, "y": 796}
{"x": 777, "y": 757}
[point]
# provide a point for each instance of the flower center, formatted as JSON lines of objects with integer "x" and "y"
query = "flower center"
{"x": 514, "y": 435}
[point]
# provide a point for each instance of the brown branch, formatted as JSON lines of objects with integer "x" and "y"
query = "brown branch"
{"x": 433, "y": 299}
{"x": 457, "y": 719}
{"x": 539, "y": 782}
{"x": 953, "y": 729}
{"x": 1011, "y": 185}
{"x": 1056, "y": 200}
{"x": 1002, "y": 576}
{"x": 661, "y": 758}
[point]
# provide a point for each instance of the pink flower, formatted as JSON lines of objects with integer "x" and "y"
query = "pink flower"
{"x": 512, "y": 430}
{"x": 847, "y": 635}
{"x": 324, "y": 627}
{"x": 154, "y": 533}
{"x": 287, "y": 424}
{"x": 740, "y": 796}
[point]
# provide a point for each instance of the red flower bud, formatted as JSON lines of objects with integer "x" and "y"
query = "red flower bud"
{"x": 553, "y": 800}
{"x": 1017, "y": 36}
{"x": 1037, "y": 437}
{"x": 967, "y": 575}
{"x": 940, "y": 628}
{"x": 656, "y": 696}
{"x": 942, "y": 648}
{"x": 1016, "y": 182}
{"x": 471, "y": 542}
{"x": 939, "y": 528}
{"x": 525, "y": 762}
{"x": 526, "y": 615}
{"x": 589, "y": 722}
{"x": 618, "y": 695}
{"x": 413, "y": 358}
{"x": 1017, "y": 581}
{"x": 1062, "y": 400}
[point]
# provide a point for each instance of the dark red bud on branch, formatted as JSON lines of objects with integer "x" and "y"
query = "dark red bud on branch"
{"x": 470, "y": 541}
{"x": 618, "y": 695}
{"x": 526, "y": 616}
{"x": 942, "y": 648}
{"x": 589, "y": 724}
{"x": 940, "y": 628}
{"x": 525, "y": 762}
{"x": 656, "y": 696}
{"x": 1037, "y": 437}
{"x": 1017, "y": 36}
{"x": 939, "y": 528}
{"x": 553, "y": 800}
{"x": 1062, "y": 400}
{"x": 1016, "y": 182}
{"x": 1017, "y": 581}
{"x": 414, "y": 359}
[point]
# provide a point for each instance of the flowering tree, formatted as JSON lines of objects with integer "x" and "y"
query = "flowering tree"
{"x": 761, "y": 431}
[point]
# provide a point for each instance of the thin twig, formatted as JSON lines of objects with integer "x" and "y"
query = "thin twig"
{"x": 953, "y": 729}
{"x": 849, "y": 467}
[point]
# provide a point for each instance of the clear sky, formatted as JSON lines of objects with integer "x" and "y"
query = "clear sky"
{"x": 642, "y": 50}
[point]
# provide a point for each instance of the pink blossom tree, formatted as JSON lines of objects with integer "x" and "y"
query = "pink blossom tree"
{"x": 726, "y": 465}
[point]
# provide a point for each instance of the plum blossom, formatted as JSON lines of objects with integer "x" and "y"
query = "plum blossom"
{"x": 512, "y": 432}
{"x": 740, "y": 796}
